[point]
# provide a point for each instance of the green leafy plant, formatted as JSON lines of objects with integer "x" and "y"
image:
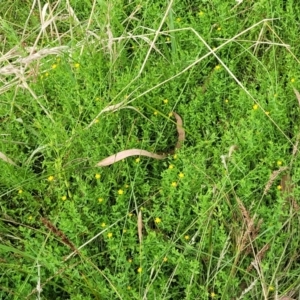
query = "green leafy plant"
{"x": 216, "y": 218}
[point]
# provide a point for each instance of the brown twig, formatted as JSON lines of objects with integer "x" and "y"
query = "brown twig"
{"x": 59, "y": 234}
{"x": 272, "y": 178}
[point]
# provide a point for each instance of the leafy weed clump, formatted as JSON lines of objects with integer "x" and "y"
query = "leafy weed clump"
{"x": 217, "y": 218}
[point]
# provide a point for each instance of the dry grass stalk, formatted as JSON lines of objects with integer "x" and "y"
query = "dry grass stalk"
{"x": 294, "y": 152}
{"x": 295, "y": 147}
{"x": 231, "y": 150}
{"x": 247, "y": 236}
{"x": 59, "y": 234}
{"x": 297, "y": 95}
{"x": 158, "y": 31}
{"x": 261, "y": 253}
{"x": 10, "y": 69}
{"x": 7, "y": 86}
{"x": 252, "y": 229}
{"x": 26, "y": 86}
{"x": 287, "y": 188}
{"x": 244, "y": 211}
{"x": 34, "y": 291}
{"x": 42, "y": 53}
{"x": 10, "y": 55}
{"x": 224, "y": 251}
{"x": 272, "y": 178}
{"x": 6, "y": 159}
{"x": 227, "y": 156}
{"x": 260, "y": 37}
{"x": 72, "y": 13}
{"x": 256, "y": 264}
{"x": 286, "y": 184}
{"x": 140, "y": 226}
{"x": 132, "y": 15}
{"x": 247, "y": 290}
{"x": 259, "y": 256}
{"x": 22, "y": 71}
{"x": 110, "y": 41}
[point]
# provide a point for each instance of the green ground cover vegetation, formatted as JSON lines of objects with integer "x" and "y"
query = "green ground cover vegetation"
{"x": 82, "y": 80}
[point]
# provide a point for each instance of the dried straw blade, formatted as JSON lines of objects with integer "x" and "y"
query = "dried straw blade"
{"x": 6, "y": 159}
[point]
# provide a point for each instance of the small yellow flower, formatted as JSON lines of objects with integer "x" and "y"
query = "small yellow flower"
{"x": 292, "y": 80}
{"x": 63, "y": 198}
{"x": 96, "y": 121}
{"x": 126, "y": 186}
{"x": 129, "y": 287}
{"x": 171, "y": 166}
{"x": 20, "y": 191}
{"x": 255, "y": 106}
{"x": 109, "y": 235}
{"x": 120, "y": 192}
{"x": 279, "y": 187}
{"x": 97, "y": 176}
{"x": 97, "y": 99}
{"x": 103, "y": 224}
{"x": 217, "y": 67}
{"x": 279, "y": 163}
{"x": 200, "y": 13}
{"x": 30, "y": 218}
{"x": 226, "y": 100}
{"x": 155, "y": 112}
{"x": 130, "y": 260}
{"x": 175, "y": 156}
{"x": 267, "y": 113}
{"x": 178, "y": 20}
{"x": 77, "y": 65}
{"x": 139, "y": 270}
{"x": 54, "y": 66}
{"x": 219, "y": 28}
{"x": 165, "y": 101}
{"x": 100, "y": 200}
{"x": 174, "y": 184}
{"x": 181, "y": 175}
{"x": 51, "y": 178}
{"x": 157, "y": 220}
{"x": 187, "y": 237}
{"x": 165, "y": 259}
{"x": 46, "y": 74}
{"x": 124, "y": 230}
{"x": 212, "y": 295}
{"x": 137, "y": 160}
{"x": 168, "y": 39}
{"x": 130, "y": 215}
{"x": 170, "y": 114}
{"x": 271, "y": 288}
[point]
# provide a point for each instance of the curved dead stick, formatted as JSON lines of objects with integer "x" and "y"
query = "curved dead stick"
{"x": 133, "y": 152}
{"x": 126, "y": 153}
{"x": 180, "y": 130}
